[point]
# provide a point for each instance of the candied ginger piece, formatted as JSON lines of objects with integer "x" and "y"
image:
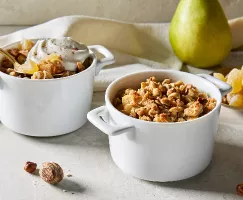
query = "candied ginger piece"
{"x": 28, "y": 68}
{"x": 219, "y": 76}
{"x": 26, "y": 44}
{"x": 235, "y": 78}
{"x": 236, "y": 100}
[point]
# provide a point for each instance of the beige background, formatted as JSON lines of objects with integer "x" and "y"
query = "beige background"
{"x": 28, "y": 12}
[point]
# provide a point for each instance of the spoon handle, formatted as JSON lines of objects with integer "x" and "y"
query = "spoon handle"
{"x": 10, "y": 57}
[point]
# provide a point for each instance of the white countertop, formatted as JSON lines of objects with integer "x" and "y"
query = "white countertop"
{"x": 86, "y": 154}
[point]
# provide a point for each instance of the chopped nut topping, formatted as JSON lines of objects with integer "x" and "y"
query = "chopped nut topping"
{"x": 42, "y": 75}
{"x": 53, "y": 67}
{"x": 164, "y": 101}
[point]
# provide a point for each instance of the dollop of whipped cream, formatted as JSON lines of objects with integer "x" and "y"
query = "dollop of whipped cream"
{"x": 69, "y": 51}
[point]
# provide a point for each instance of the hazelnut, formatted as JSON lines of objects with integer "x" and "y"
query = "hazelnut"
{"x": 239, "y": 189}
{"x": 30, "y": 167}
{"x": 51, "y": 172}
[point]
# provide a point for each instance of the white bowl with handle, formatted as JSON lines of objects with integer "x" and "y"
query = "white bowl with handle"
{"x": 160, "y": 151}
{"x": 49, "y": 107}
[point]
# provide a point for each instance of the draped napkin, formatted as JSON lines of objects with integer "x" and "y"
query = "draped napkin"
{"x": 136, "y": 46}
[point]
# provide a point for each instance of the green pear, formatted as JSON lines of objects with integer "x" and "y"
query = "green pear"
{"x": 199, "y": 33}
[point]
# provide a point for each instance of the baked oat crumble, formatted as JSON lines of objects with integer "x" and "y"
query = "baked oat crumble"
{"x": 164, "y": 101}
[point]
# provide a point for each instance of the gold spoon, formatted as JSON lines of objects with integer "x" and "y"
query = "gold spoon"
{"x": 14, "y": 62}
{"x": 10, "y": 58}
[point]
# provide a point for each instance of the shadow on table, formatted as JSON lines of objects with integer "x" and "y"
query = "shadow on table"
{"x": 70, "y": 186}
{"x": 86, "y": 136}
{"x": 222, "y": 175}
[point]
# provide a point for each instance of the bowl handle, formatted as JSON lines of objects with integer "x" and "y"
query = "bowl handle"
{"x": 96, "y": 118}
{"x": 107, "y": 60}
{"x": 224, "y": 88}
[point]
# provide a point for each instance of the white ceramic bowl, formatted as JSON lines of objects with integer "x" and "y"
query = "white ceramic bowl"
{"x": 49, "y": 107}
{"x": 160, "y": 151}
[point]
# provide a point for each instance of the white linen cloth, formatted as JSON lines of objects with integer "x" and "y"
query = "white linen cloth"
{"x": 136, "y": 47}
